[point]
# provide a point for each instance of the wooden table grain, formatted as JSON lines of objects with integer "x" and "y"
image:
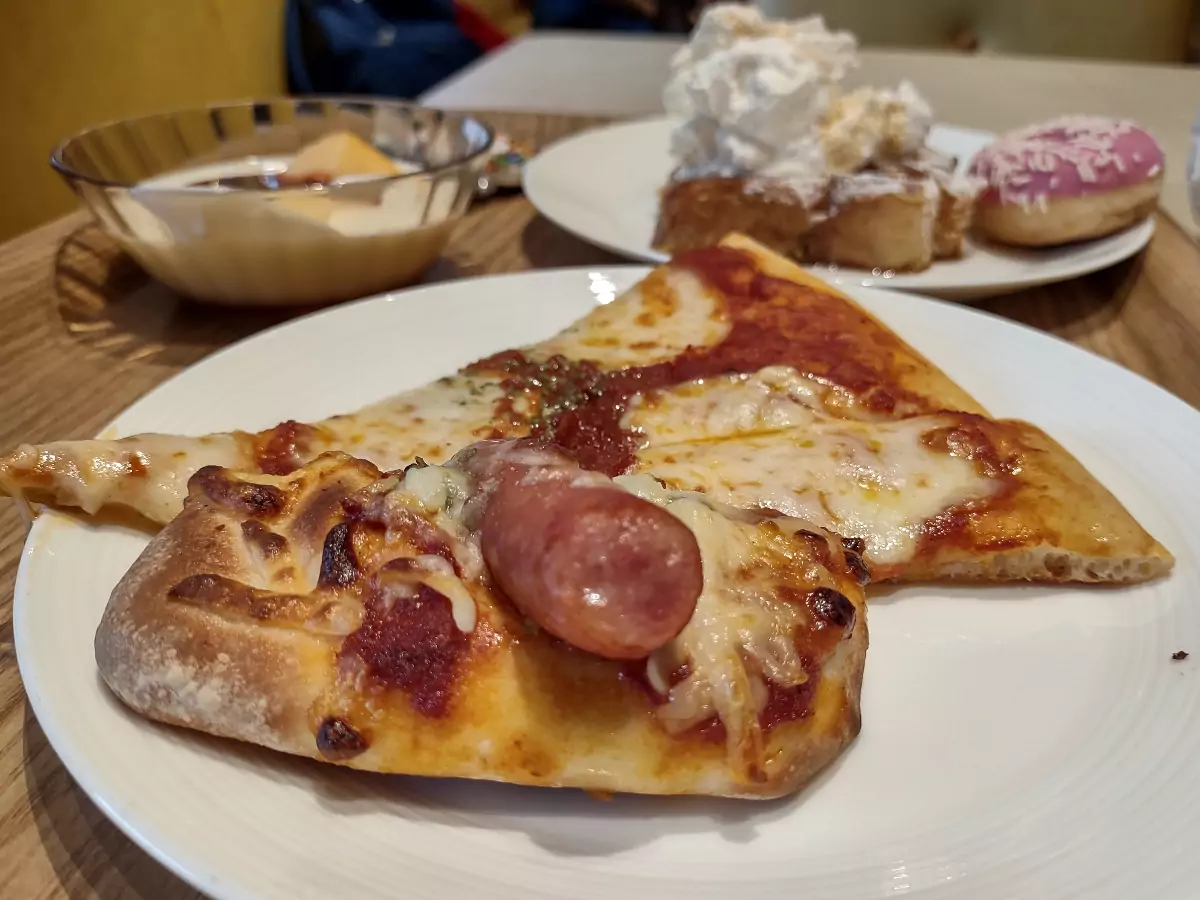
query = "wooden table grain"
{"x": 83, "y": 333}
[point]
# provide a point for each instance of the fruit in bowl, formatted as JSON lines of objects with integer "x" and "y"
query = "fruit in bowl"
{"x": 290, "y": 201}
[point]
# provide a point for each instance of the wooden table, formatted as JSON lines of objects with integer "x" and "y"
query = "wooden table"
{"x": 83, "y": 333}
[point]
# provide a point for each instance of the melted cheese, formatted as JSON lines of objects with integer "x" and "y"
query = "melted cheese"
{"x": 439, "y": 575}
{"x": 770, "y": 399}
{"x": 667, "y": 312}
{"x": 439, "y": 494}
{"x": 438, "y": 490}
{"x": 433, "y": 422}
{"x": 148, "y": 473}
{"x": 880, "y": 482}
{"x": 738, "y": 618}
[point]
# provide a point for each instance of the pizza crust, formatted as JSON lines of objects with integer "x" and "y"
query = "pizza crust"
{"x": 1058, "y": 523}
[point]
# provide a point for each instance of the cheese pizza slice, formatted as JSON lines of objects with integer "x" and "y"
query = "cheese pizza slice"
{"x": 506, "y": 616}
{"x": 736, "y": 308}
{"x": 730, "y": 370}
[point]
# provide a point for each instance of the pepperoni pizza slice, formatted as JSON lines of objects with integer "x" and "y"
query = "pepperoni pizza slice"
{"x": 729, "y": 370}
{"x": 506, "y": 616}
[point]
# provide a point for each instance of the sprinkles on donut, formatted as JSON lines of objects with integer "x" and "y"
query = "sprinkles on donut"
{"x": 1069, "y": 179}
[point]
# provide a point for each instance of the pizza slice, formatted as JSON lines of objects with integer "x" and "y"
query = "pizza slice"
{"x": 730, "y": 370}
{"x": 148, "y": 473}
{"x": 506, "y": 616}
{"x": 735, "y": 308}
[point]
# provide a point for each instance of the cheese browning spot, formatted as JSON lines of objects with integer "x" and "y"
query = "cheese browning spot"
{"x": 268, "y": 544}
{"x": 339, "y": 565}
{"x": 968, "y": 440}
{"x": 854, "y": 562}
{"x": 337, "y": 740}
{"x": 830, "y": 608}
{"x": 248, "y": 497}
{"x": 234, "y": 599}
{"x": 138, "y": 464}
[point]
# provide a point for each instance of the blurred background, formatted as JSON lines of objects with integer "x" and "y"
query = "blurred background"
{"x": 70, "y": 64}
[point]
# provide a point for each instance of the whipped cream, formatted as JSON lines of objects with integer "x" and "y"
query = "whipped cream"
{"x": 908, "y": 118}
{"x": 723, "y": 26}
{"x": 763, "y": 99}
{"x": 869, "y": 125}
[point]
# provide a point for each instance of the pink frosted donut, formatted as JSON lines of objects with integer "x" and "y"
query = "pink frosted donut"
{"x": 1066, "y": 180}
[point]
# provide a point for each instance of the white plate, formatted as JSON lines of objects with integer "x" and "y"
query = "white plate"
{"x": 1018, "y": 742}
{"x": 603, "y": 186}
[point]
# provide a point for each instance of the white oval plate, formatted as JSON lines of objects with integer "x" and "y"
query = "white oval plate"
{"x": 602, "y": 185}
{"x": 1029, "y": 742}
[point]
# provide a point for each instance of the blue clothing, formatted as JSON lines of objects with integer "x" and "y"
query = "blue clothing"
{"x": 401, "y": 48}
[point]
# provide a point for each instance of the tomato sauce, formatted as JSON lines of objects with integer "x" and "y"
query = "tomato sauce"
{"x": 789, "y": 704}
{"x": 411, "y": 645}
{"x": 954, "y": 526}
{"x": 284, "y": 448}
{"x": 772, "y": 322}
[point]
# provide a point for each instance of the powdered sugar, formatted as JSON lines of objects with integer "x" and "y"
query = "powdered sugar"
{"x": 867, "y": 185}
{"x": 808, "y": 191}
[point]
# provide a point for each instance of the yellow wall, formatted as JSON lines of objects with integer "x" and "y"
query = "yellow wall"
{"x": 68, "y": 64}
